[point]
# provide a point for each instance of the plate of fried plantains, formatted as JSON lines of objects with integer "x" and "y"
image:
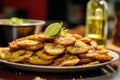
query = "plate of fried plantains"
{"x": 58, "y": 52}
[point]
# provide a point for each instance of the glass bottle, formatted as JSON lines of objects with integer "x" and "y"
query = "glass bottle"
{"x": 96, "y": 21}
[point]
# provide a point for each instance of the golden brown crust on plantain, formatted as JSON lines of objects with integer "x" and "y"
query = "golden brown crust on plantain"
{"x": 65, "y": 41}
{"x": 5, "y": 53}
{"x": 70, "y": 61}
{"x": 78, "y": 48}
{"x": 36, "y": 60}
{"x": 43, "y": 55}
{"x": 54, "y": 49}
{"x": 20, "y": 55}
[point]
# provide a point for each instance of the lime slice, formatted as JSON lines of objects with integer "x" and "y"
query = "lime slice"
{"x": 53, "y": 30}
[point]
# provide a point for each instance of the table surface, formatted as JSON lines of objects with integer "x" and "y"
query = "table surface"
{"x": 108, "y": 72}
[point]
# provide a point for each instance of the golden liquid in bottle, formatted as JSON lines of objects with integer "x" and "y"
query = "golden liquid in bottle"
{"x": 96, "y": 30}
{"x": 96, "y": 21}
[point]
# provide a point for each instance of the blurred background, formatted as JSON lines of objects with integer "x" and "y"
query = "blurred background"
{"x": 71, "y": 12}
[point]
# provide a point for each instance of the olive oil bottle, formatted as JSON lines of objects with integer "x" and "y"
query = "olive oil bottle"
{"x": 96, "y": 21}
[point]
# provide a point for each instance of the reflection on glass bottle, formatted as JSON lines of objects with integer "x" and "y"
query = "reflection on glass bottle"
{"x": 96, "y": 21}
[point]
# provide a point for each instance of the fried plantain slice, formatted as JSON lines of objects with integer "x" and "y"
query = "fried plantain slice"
{"x": 85, "y": 60}
{"x": 25, "y": 43}
{"x": 91, "y": 63}
{"x": 93, "y": 44}
{"x": 97, "y": 55}
{"x": 65, "y": 41}
{"x": 60, "y": 59}
{"x": 43, "y": 55}
{"x": 77, "y": 36}
{"x": 78, "y": 48}
{"x": 100, "y": 57}
{"x": 5, "y": 53}
{"x": 72, "y": 60}
{"x": 86, "y": 40}
{"x": 30, "y": 44}
{"x": 34, "y": 47}
{"x": 39, "y": 37}
{"x": 101, "y": 50}
{"x": 36, "y": 60}
{"x": 13, "y": 45}
{"x": 54, "y": 49}
{"x": 20, "y": 55}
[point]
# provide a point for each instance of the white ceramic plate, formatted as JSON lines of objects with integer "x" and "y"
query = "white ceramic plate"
{"x": 39, "y": 68}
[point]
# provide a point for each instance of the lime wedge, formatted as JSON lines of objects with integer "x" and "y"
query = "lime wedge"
{"x": 53, "y": 30}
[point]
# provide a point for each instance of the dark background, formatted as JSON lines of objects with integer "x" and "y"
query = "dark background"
{"x": 49, "y": 10}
